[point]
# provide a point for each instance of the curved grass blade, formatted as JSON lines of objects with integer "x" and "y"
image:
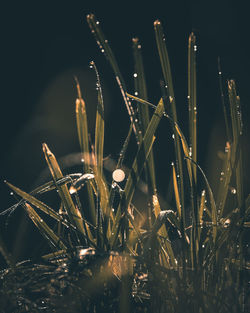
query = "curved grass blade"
{"x": 192, "y": 103}
{"x": 82, "y": 129}
{"x": 40, "y": 205}
{"x": 74, "y": 214}
{"x": 166, "y": 70}
{"x": 105, "y": 48}
{"x": 45, "y": 230}
{"x": 138, "y": 164}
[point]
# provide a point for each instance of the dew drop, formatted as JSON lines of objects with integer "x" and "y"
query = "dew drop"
{"x": 82, "y": 160}
{"x": 195, "y": 48}
{"x": 233, "y": 190}
{"x": 102, "y": 50}
{"x": 203, "y": 246}
{"x": 188, "y": 97}
{"x": 11, "y": 193}
{"x": 97, "y": 22}
{"x": 118, "y": 175}
{"x": 219, "y": 73}
{"x": 136, "y": 93}
{"x": 106, "y": 41}
{"x": 136, "y": 120}
{"x": 135, "y": 75}
{"x": 173, "y": 136}
{"x": 139, "y": 46}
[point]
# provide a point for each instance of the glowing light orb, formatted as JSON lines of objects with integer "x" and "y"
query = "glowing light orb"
{"x": 118, "y": 175}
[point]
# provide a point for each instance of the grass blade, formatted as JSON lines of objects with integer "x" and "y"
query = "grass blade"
{"x": 141, "y": 91}
{"x": 45, "y": 230}
{"x": 6, "y": 254}
{"x": 166, "y": 70}
{"x": 74, "y": 214}
{"x": 176, "y": 192}
{"x": 235, "y": 111}
{"x": 82, "y": 129}
{"x": 105, "y": 48}
{"x": 39, "y": 204}
{"x": 192, "y": 103}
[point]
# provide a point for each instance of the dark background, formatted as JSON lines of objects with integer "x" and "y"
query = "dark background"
{"x": 44, "y": 44}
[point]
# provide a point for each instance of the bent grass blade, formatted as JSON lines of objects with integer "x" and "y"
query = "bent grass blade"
{"x": 74, "y": 214}
{"x": 45, "y": 230}
{"x": 40, "y": 205}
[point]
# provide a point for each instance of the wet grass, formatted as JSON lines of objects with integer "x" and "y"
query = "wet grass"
{"x": 107, "y": 254}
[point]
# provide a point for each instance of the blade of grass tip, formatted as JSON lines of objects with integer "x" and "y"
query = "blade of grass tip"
{"x": 141, "y": 91}
{"x": 166, "y": 70}
{"x": 99, "y": 144}
{"x": 192, "y": 102}
{"x": 99, "y": 126}
{"x": 72, "y": 211}
{"x": 82, "y": 129}
{"x": 138, "y": 164}
{"x": 106, "y": 49}
{"x": 45, "y": 230}
{"x": 236, "y": 120}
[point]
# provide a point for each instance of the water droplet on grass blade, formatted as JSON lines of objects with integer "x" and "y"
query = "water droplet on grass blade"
{"x": 135, "y": 75}
{"x": 233, "y": 190}
{"x": 118, "y": 175}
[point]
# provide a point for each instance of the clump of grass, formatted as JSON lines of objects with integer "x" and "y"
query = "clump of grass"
{"x": 107, "y": 254}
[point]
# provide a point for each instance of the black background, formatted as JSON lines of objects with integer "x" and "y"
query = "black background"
{"x": 44, "y": 44}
